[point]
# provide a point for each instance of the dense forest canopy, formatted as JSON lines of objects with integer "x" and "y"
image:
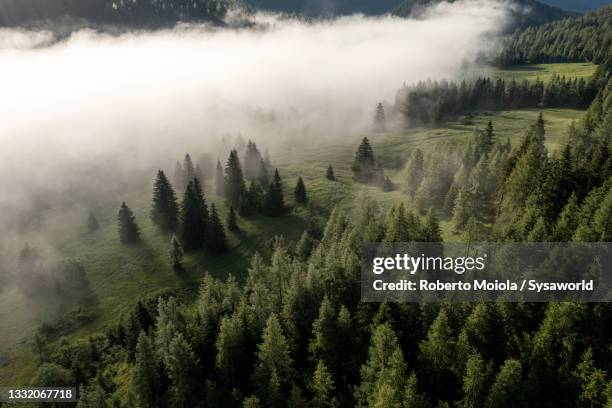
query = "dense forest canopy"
{"x": 587, "y": 38}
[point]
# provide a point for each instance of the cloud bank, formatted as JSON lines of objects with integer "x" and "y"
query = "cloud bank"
{"x": 145, "y": 95}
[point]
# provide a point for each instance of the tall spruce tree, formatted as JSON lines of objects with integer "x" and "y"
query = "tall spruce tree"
{"x": 232, "y": 220}
{"x": 329, "y": 174}
{"x": 234, "y": 182}
{"x": 216, "y": 241}
{"x": 263, "y": 179}
{"x": 194, "y": 217}
{"x": 300, "y": 192}
{"x": 189, "y": 170}
{"x": 164, "y": 211}
{"x": 364, "y": 165}
{"x": 128, "y": 229}
{"x": 252, "y": 161}
{"x": 380, "y": 121}
{"x": 274, "y": 201}
{"x": 146, "y": 380}
{"x": 219, "y": 180}
{"x": 175, "y": 254}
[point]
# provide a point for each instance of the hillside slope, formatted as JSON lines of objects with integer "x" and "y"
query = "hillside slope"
{"x": 537, "y": 13}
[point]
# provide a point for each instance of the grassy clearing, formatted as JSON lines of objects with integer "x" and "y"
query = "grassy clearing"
{"x": 538, "y": 71}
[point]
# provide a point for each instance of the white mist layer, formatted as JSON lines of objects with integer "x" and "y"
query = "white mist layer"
{"x": 140, "y": 95}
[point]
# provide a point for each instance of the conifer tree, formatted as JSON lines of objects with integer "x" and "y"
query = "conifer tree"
{"x": 380, "y": 122}
{"x": 364, "y": 165}
{"x": 274, "y": 201}
{"x": 179, "y": 176}
{"x": 182, "y": 365}
{"x": 507, "y": 390}
{"x": 437, "y": 114}
{"x": 475, "y": 382}
{"x": 189, "y": 170}
{"x": 300, "y": 192}
{"x": 251, "y": 202}
{"x": 415, "y": 171}
{"x": 234, "y": 181}
{"x": 273, "y": 370}
{"x": 194, "y": 217}
{"x": 219, "y": 180}
{"x": 128, "y": 230}
{"x": 252, "y": 161}
{"x": 329, "y": 174}
{"x": 164, "y": 211}
{"x": 146, "y": 382}
{"x": 322, "y": 388}
{"x": 92, "y": 222}
{"x": 176, "y": 254}
{"x": 232, "y": 220}
{"x": 216, "y": 241}
{"x": 263, "y": 179}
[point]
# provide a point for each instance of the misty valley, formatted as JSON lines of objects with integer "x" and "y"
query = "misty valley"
{"x": 187, "y": 188}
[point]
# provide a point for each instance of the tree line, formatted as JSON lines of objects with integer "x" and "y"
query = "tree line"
{"x": 585, "y": 38}
{"x": 434, "y": 102}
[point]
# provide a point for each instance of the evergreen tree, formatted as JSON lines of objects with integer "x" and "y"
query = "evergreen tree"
{"x": 380, "y": 121}
{"x": 264, "y": 180}
{"x": 128, "y": 230}
{"x": 274, "y": 201}
{"x": 251, "y": 202}
{"x": 164, "y": 212}
{"x": 176, "y": 254}
{"x": 194, "y": 217}
{"x": 507, "y": 390}
{"x": 219, "y": 180}
{"x": 322, "y": 388}
{"x": 216, "y": 241}
{"x": 232, "y": 220}
{"x": 415, "y": 171}
{"x": 146, "y": 382}
{"x": 437, "y": 114}
{"x": 329, "y": 174}
{"x": 252, "y": 161}
{"x": 475, "y": 382}
{"x": 179, "y": 176}
{"x": 92, "y": 222}
{"x": 234, "y": 181}
{"x": 273, "y": 371}
{"x": 364, "y": 165}
{"x": 189, "y": 171}
{"x": 300, "y": 192}
{"x": 182, "y": 365}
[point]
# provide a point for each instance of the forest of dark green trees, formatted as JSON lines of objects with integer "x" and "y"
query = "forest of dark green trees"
{"x": 292, "y": 331}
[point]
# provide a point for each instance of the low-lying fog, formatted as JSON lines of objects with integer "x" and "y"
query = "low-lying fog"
{"x": 121, "y": 102}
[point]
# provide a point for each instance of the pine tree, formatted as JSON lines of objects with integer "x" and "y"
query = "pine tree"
{"x": 232, "y": 220}
{"x": 216, "y": 241}
{"x": 251, "y": 202}
{"x": 300, "y": 192}
{"x": 379, "y": 118}
{"x": 431, "y": 228}
{"x": 146, "y": 381}
{"x": 273, "y": 371}
{"x": 189, "y": 170}
{"x": 329, "y": 174}
{"x": 490, "y": 135}
{"x": 128, "y": 230}
{"x": 182, "y": 365}
{"x": 364, "y": 165}
{"x": 507, "y": 390}
{"x": 322, "y": 388}
{"x": 415, "y": 171}
{"x": 264, "y": 180}
{"x": 179, "y": 176}
{"x": 194, "y": 217}
{"x": 252, "y": 161}
{"x": 475, "y": 382}
{"x": 176, "y": 254}
{"x": 274, "y": 201}
{"x": 437, "y": 114}
{"x": 164, "y": 211}
{"x": 92, "y": 222}
{"x": 234, "y": 181}
{"x": 219, "y": 180}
